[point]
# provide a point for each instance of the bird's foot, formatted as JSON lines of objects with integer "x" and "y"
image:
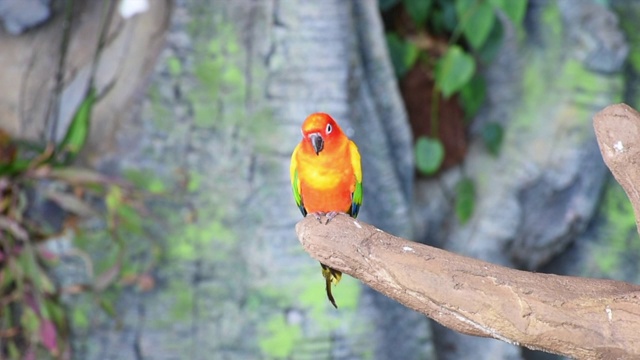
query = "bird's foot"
{"x": 332, "y": 214}
{"x": 318, "y": 215}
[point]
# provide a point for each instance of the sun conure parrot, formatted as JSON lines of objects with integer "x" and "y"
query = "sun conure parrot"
{"x": 326, "y": 177}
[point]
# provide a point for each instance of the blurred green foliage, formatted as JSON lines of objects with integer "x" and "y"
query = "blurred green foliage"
{"x": 429, "y": 155}
{"x": 465, "y": 199}
{"x": 492, "y": 135}
{"x": 33, "y": 321}
{"x": 454, "y": 70}
{"x": 403, "y": 54}
{"x": 474, "y": 34}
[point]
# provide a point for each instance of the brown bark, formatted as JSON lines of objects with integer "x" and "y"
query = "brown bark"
{"x": 618, "y": 131}
{"x": 576, "y": 317}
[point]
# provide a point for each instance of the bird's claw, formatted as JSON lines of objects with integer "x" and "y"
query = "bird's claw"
{"x": 332, "y": 214}
{"x": 318, "y": 215}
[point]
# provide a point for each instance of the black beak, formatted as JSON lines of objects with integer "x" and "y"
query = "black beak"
{"x": 317, "y": 142}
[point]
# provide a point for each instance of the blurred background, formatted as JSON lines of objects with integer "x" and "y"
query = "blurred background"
{"x": 145, "y": 203}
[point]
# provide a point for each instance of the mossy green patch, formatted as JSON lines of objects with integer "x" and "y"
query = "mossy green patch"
{"x": 183, "y": 301}
{"x": 620, "y": 230}
{"x": 551, "y": 77}
{"x": 207, "y": 236}
{"x": 589, "y": 86}
{"x": 205, "y": 115}
{"x": 174, "y": 65}
{"x": 220, "y": 77}
{"x": 574, "y": 74}
{"x": 162, "y": 116}
{"x": 278, "y": 338}
{"x": 208, "y": 72}
{"x": 552, "y": 19}
{"x": 541, "y": 71}
{"x": 313, "y": 297}
{"x": 194, "y": 182}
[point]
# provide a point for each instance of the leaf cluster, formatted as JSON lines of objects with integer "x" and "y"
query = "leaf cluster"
{"x": 451, "y": 38}
{"x": 43, "y": 200}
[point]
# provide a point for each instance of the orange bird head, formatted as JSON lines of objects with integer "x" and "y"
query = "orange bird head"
{"x": 319, "y": 130}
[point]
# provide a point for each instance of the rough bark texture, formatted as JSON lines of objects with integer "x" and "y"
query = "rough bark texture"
{"x": 577, "y": 317}
{"x": 618, "y": 131}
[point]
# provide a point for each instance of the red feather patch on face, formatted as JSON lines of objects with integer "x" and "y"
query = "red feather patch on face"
{"x": 322, "y": 124}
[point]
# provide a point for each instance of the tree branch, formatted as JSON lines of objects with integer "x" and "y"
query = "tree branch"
{"x": 618, "y": 131}
{"x": 576, "y": 317}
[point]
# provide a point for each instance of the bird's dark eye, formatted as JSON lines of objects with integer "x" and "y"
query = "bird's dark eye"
{"x": 329, "y": 128}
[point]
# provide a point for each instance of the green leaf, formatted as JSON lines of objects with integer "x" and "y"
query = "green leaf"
{"x": 442, "y": 18}
{"x": 107, "y": 304}
{"x": 472, "y": 96}
{"x": 56, "y": 312}
{"x": 29, "y": 320}
{"x": 113, "y": 200}
{"x": 490, "y": 48}
{"x": 465, "y": 199}
{"x": 418, "y": 10}
{"x": 79, "y": 318}
{"x": 6, "y": 279}
{"x": 476, "y": 18}
{"x": 492, "y": 135}
{"x": 403, "y": 54}
{"x": 14, "y": 353}
{"x": 14, "y": 167}
{"x": 78, "y": 130}
{"x": 429, "y": 155}
{"x": 130, "y": 219}
{"x": 514, "y": 9}
{"x": 454, "y": 70}
{"x": 385, "y": 5}
{"x": 34, "y": 272}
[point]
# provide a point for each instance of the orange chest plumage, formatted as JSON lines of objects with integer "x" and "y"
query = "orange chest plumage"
{"x": 326, "y": 182}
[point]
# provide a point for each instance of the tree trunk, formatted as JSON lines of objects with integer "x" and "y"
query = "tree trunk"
{"x": 225, "y": 105}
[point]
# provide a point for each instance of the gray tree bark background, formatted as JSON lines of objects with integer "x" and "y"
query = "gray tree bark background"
{"x": 216, "y": 125}
{"x": 250, "y": 73}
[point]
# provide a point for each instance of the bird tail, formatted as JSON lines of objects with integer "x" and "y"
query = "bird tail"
{"x": 331, "y": 276}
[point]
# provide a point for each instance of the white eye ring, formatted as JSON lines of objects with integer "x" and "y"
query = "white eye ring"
{"x": 329, "y": 128}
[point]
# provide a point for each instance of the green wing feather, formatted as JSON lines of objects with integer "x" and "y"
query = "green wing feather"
{"x": 295, "y": 182}
{"x": 295, "y": 186}
{"x": 356, "y": 196}
{"x": 356, "y": 200}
